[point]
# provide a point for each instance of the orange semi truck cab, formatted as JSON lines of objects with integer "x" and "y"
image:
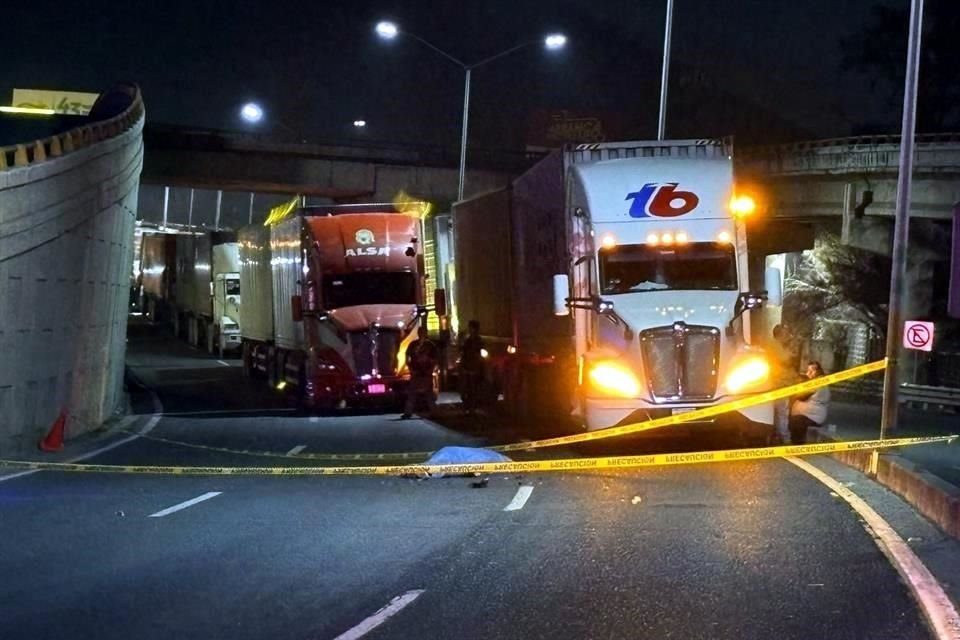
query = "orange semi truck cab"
{"x": 347, "y": 298}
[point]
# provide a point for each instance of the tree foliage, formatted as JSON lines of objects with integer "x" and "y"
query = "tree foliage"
{"x": 880, "y": 52}
{"x": 840, "y": 282}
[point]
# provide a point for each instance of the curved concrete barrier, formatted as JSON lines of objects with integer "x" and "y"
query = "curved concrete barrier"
{"x": 67, "y": 213}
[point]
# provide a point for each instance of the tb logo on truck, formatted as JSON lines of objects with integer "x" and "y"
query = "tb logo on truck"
{"x": 661, "y": 200}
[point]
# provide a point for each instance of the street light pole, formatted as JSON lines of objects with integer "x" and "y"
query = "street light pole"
{"x": 389, "y": 31}
{"x": 665, "y": 73}
{"x": 901, "y": 229}
{"x": 463, "y": 134}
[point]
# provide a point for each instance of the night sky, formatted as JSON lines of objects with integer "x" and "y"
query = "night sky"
{"x": 764, "y": 69}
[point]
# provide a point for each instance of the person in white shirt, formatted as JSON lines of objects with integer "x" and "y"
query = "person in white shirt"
{"x": 809, "y": 410}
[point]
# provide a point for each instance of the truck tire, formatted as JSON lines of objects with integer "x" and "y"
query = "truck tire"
{"x": 211, "y": 336}
{"x": 247, "y": 356}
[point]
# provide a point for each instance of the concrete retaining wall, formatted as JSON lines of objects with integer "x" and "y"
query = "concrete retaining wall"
{"x": 67, "y": 212}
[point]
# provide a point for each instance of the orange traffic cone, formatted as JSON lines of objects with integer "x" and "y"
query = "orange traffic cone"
{"x": 54, "y": 439}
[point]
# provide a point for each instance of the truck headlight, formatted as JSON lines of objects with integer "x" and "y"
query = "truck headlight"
{"x": 748, "y": 373}
{"x": 614, "y": 379}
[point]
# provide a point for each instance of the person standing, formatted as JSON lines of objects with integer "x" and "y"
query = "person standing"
{"x": 472, "y": 371}
{"x": 809, "y": 409}
{"x": 422, "y": 358}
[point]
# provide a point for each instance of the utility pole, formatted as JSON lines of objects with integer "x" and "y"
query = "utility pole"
{"x": 901, "y": 229}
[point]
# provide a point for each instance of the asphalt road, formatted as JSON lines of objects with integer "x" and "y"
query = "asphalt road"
{"x": 744, "y": 550}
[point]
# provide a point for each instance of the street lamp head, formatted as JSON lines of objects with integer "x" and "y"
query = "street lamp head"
{"x": 359, "y": 124}
{"x": 251, "y": 112}
{"x": 387, "y": 30}
{"x": 555, "y": 41}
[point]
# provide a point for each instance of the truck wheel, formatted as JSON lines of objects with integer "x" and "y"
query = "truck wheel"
{"x": 247, "y": 360}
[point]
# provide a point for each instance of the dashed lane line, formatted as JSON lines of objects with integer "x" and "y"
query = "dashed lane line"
{"x": 934, "y": 602}
{"x": 185, "y": 504}
{"x": 393, "y": 608}
{"x": 297, "y": 449}
{"x": 523, "y": 494}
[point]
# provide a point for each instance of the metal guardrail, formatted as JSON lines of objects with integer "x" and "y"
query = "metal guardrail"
{"x": 924, "y": 395}
{"x": 29, "y": 153}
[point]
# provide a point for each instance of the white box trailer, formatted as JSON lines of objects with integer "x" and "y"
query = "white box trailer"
{"x": 208, "y": 290}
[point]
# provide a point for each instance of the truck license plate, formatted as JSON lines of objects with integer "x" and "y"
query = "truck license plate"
{"x": 682, "y": 410}
{"x": 376, "y": 388}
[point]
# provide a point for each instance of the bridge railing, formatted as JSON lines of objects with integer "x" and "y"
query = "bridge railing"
{"x": 934, "y": 153}
{"x": 28, "y": 153}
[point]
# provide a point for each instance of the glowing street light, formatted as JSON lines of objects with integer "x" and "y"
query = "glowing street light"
{"x": 359, "y": 124}
{"x": 390, "y": 30}
{"x": 555, "y": 41}
{"x": 251, "y": 112}
{"x": 387, "y": 30}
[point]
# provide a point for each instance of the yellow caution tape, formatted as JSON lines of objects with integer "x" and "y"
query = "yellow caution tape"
{"x": 568, "y": 464}
{"x": 347, "y": 457}
{"x": 602, "y": 434}
{"x": 700, "y": 414}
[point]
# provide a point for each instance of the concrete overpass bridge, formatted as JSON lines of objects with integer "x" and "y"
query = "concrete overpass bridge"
{"x": 234, "y": 178}
{"x": 849, "y": 186}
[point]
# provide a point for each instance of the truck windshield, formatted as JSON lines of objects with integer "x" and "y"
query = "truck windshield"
{"x": 372, "y": 287}
{"x": 639, "y": 267}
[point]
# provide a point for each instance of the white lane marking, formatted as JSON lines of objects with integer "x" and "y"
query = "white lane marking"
{"x": 297, "y": 449}
{"x": 314, "y": 419}
{"x": 184, "y": 505}
{"x": 226, "y": 364}
{"x": 151, "y": 423}
{"x": 935, "y": 603}
{"x": 396, "y": 606}
{"x": 523, "y": 494}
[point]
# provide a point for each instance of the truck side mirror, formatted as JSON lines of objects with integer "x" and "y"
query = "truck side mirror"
{"x": 296, "y": 308}
{"x": 440, "y": 302}
{"x": 774, "y": 285}
{"x": 561, "y": 290}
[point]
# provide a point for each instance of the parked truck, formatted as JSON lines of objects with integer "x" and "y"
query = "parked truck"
{"x": 612, "y": 281}
{"x": 332, "y": 298}
{"x": 158, "y": 275}
{"x": 208, "y": 290}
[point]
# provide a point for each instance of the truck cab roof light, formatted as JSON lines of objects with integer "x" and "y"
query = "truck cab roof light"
{"x": 608, "y": 241}
{"x": 653, "y": 239}
{"x": 666, "y": 238}
{"x": 723, "y": 236}
{"x": 682, "y": 237}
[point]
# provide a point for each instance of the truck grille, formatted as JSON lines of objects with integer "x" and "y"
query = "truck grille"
{"x": 681, "y": 361}
{"x": 369, "y": 360}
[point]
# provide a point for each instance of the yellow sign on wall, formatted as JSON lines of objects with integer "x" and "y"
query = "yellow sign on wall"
{"x": 69, "y": 102}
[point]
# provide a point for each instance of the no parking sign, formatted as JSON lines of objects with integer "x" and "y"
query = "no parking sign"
{"x": 918, "y": 335}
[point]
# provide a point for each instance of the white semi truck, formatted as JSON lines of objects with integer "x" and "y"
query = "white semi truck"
{"x": 612, "y": 280}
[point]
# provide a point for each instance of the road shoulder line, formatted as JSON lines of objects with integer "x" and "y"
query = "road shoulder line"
{"x": 148, "y": 427}
{"x": 933, "y": 600}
